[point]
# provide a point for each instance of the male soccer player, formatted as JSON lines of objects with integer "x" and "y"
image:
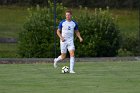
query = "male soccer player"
{"x": 65, "y": 32}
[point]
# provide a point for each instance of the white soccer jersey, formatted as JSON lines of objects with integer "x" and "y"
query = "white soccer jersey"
{"x": 68, "y": 29}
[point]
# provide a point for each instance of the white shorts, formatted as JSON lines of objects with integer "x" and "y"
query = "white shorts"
{"x": 66, "y": 45}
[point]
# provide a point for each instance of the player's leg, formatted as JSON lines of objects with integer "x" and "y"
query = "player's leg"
{"x": 63, "y": 48}
{"x": 61, "y": 57}
{"x": 72, "y": 61}
{"x": 71, "y": 49}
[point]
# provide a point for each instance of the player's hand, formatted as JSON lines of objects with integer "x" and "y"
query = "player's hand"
{"x": 81, "y": 40}
{"x": 62, "y": 39}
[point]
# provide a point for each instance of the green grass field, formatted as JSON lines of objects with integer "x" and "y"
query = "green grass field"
{"x": 8, "y": 50}
{"x": 91, "y": 77}
{"x": 128, "y": 21}
{"x": 12, "y": 20}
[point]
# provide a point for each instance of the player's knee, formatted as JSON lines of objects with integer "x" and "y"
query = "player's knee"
{"x": 72, "y": 54}
{"x": 63, "y": 56}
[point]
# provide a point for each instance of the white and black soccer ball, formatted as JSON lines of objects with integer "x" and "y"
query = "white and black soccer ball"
{"x": 65, "y": 69}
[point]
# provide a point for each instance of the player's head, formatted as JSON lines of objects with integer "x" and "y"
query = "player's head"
{"x": 68, "y": 14}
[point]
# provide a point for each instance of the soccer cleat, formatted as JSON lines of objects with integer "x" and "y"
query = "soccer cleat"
{"x": 72, "y": 72}
{"x": 54, "y": 64}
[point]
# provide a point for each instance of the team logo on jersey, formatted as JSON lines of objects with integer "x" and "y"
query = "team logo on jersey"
{"x": 69, "y": 28}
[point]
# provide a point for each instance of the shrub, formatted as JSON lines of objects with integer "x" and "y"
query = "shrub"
{"x": 129, "y": 46}
{"x": 99, "y": 30}
{"x": 100, "y": 33}
{"x": 37, "y": 39}
{"x": 124, "y": 52}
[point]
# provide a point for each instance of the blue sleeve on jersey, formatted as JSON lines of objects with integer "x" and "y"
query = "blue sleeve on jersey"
{"x": 76, "y": 26}
{"x": 60, "y": 25}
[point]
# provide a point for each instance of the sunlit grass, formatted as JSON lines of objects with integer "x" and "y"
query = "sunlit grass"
{"x": 90, "y": 77}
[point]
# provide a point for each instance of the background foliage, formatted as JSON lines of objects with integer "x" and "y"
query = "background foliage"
{"x": 100, "y": 33}
{"x": 99, "y": 30}
{"x": 37, "y": 39}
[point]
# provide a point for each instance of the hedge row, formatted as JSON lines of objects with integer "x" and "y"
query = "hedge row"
{"x": 99, "y": 30}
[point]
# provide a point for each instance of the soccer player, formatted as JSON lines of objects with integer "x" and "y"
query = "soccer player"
{"x": 65, "y": 32}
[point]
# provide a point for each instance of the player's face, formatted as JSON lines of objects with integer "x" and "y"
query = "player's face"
{"x": 68, "y": 16}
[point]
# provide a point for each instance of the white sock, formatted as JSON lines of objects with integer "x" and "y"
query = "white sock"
{"x": 72, "y": 61}
{"x": 58, "y": 59}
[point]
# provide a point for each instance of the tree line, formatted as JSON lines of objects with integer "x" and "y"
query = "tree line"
{"x": 77, "y": 3}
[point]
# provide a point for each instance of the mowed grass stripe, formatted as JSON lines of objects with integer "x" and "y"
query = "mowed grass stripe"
{"x": 91, "y": 77}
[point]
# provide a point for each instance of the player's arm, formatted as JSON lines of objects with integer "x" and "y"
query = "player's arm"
{"x": 59, "y": 31}
{"x": 59, "y": 35}
{"x": 77, "y": 32}
{"x": 79, "y": 36}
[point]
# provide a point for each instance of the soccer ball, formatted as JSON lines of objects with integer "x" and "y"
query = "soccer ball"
{"x": 65, "y": 69}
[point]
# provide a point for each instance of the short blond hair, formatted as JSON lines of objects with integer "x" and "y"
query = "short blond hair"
{"x": 68, "y": 11}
